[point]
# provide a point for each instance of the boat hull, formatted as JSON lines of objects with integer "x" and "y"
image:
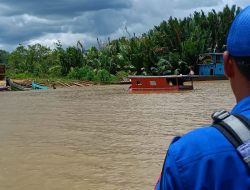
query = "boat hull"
{"x": 38, "y": 86}
{"x": 209, "y": 77}
{"x": 15, "y": 86}
{"x": 172, "y": 89}
{"x": 3, "y": 88}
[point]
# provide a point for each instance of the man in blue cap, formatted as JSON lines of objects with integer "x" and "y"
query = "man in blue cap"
{"x": 204, "y": 158}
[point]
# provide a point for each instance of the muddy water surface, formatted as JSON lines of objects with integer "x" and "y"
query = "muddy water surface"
{"x": 97, "y": 137}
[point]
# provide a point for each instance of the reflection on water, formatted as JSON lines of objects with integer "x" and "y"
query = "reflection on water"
{"x": 98, "y": 137}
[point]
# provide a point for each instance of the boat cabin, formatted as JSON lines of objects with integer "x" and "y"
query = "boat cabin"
{"x": 160, "y": 83}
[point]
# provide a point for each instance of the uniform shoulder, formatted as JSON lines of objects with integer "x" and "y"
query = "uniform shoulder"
{"x": 206, "y": 140}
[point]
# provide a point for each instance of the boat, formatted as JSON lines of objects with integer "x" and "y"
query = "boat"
{"x": 166, "y": 83}
{"x": 39, "y": 86}
{"x": 3, "y": 88}
{"x": 15, "y": 86}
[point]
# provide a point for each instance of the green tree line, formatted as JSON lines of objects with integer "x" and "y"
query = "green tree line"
{"x": 170, "y": 48}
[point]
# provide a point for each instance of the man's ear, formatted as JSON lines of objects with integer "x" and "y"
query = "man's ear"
{"x": 228, "y": 65}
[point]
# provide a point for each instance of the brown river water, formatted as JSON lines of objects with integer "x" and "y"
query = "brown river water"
{"x": 98, "y": 137}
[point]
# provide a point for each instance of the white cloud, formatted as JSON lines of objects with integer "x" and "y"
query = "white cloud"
{"x": 67, "y": 39}
{"x": 26, "y": 19}
{"x": 34, "y": 19}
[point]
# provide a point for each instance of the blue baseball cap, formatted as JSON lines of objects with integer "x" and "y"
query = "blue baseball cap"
{"x": 238, "y": 40}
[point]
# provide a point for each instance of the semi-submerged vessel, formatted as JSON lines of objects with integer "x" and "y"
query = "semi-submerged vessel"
{"x": 166, "y": 83}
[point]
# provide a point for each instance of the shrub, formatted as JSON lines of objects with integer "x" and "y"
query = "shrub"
{"x": 22, "y": 75}
{"x": 84, "y": 73}
{"x": 121, "y": 75}
{"x": 103, "y": 76}
{"x": 55, "y": 71}
{"x": 73, "y": 74}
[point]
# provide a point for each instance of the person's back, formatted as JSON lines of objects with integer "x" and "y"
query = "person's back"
{"x": 204, "y": 158}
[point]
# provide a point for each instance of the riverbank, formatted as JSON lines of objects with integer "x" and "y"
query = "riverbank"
{"x": 55, "y": 83}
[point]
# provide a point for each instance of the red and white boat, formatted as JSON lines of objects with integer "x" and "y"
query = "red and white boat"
{"x": 160, "y": 83}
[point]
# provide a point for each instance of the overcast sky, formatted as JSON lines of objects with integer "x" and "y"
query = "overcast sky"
{"x": 28, "y": 22}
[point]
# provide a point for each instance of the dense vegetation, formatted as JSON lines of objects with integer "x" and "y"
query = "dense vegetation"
{"x": 171, "y": 47}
